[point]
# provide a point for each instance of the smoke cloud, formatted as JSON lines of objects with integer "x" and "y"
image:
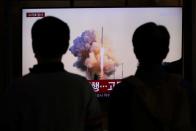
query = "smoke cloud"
{"x": 87, "y": 50}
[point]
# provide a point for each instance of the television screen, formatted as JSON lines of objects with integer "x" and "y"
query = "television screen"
{"x": 101, "y": 40}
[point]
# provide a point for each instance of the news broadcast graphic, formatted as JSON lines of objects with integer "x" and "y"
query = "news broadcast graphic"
{"x": 101, "y": 40}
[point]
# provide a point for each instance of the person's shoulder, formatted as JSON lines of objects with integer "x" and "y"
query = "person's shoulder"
{"x": 75, "y": 79}
{"x": 129, "y": 81}
{"x": 58, "y": 75}
{"x": 71, "y": 78}
{"x": 175, "y": 76}
{"x": 125, "y": 85}
{"x": 21, "y": 79}
{"x": 74, "y": 76}
{"x": 64, "y": 77}
{"x": 178, "y": 83}
{"x": 176, "y": 79}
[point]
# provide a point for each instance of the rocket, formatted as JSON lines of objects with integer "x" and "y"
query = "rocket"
{"x": 102, "y": 56}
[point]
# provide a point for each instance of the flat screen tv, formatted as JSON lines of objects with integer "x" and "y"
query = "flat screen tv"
{"x": 101, "y": 40}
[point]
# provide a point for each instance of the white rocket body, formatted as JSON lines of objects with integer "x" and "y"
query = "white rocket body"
{"x": 102, "y": 60}
{"x": 102, "y": 56}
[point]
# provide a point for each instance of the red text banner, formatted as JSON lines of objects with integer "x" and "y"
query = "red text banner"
{"x": 103, "y": 88}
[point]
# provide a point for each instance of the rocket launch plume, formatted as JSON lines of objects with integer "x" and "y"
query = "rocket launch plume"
{"x": 88, "y": 52}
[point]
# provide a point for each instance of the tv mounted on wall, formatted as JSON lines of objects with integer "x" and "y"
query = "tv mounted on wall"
{"x": 101, "y": 40}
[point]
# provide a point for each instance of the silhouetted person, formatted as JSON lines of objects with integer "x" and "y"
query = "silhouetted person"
{"x": 173, "y": 67}
{"x": 49, "y": 98}
{"x": 152, "y": 100}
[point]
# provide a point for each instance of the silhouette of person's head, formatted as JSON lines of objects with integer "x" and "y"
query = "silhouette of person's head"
{"x": 151, "y": 43}
{"x": 50, "y": 38}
